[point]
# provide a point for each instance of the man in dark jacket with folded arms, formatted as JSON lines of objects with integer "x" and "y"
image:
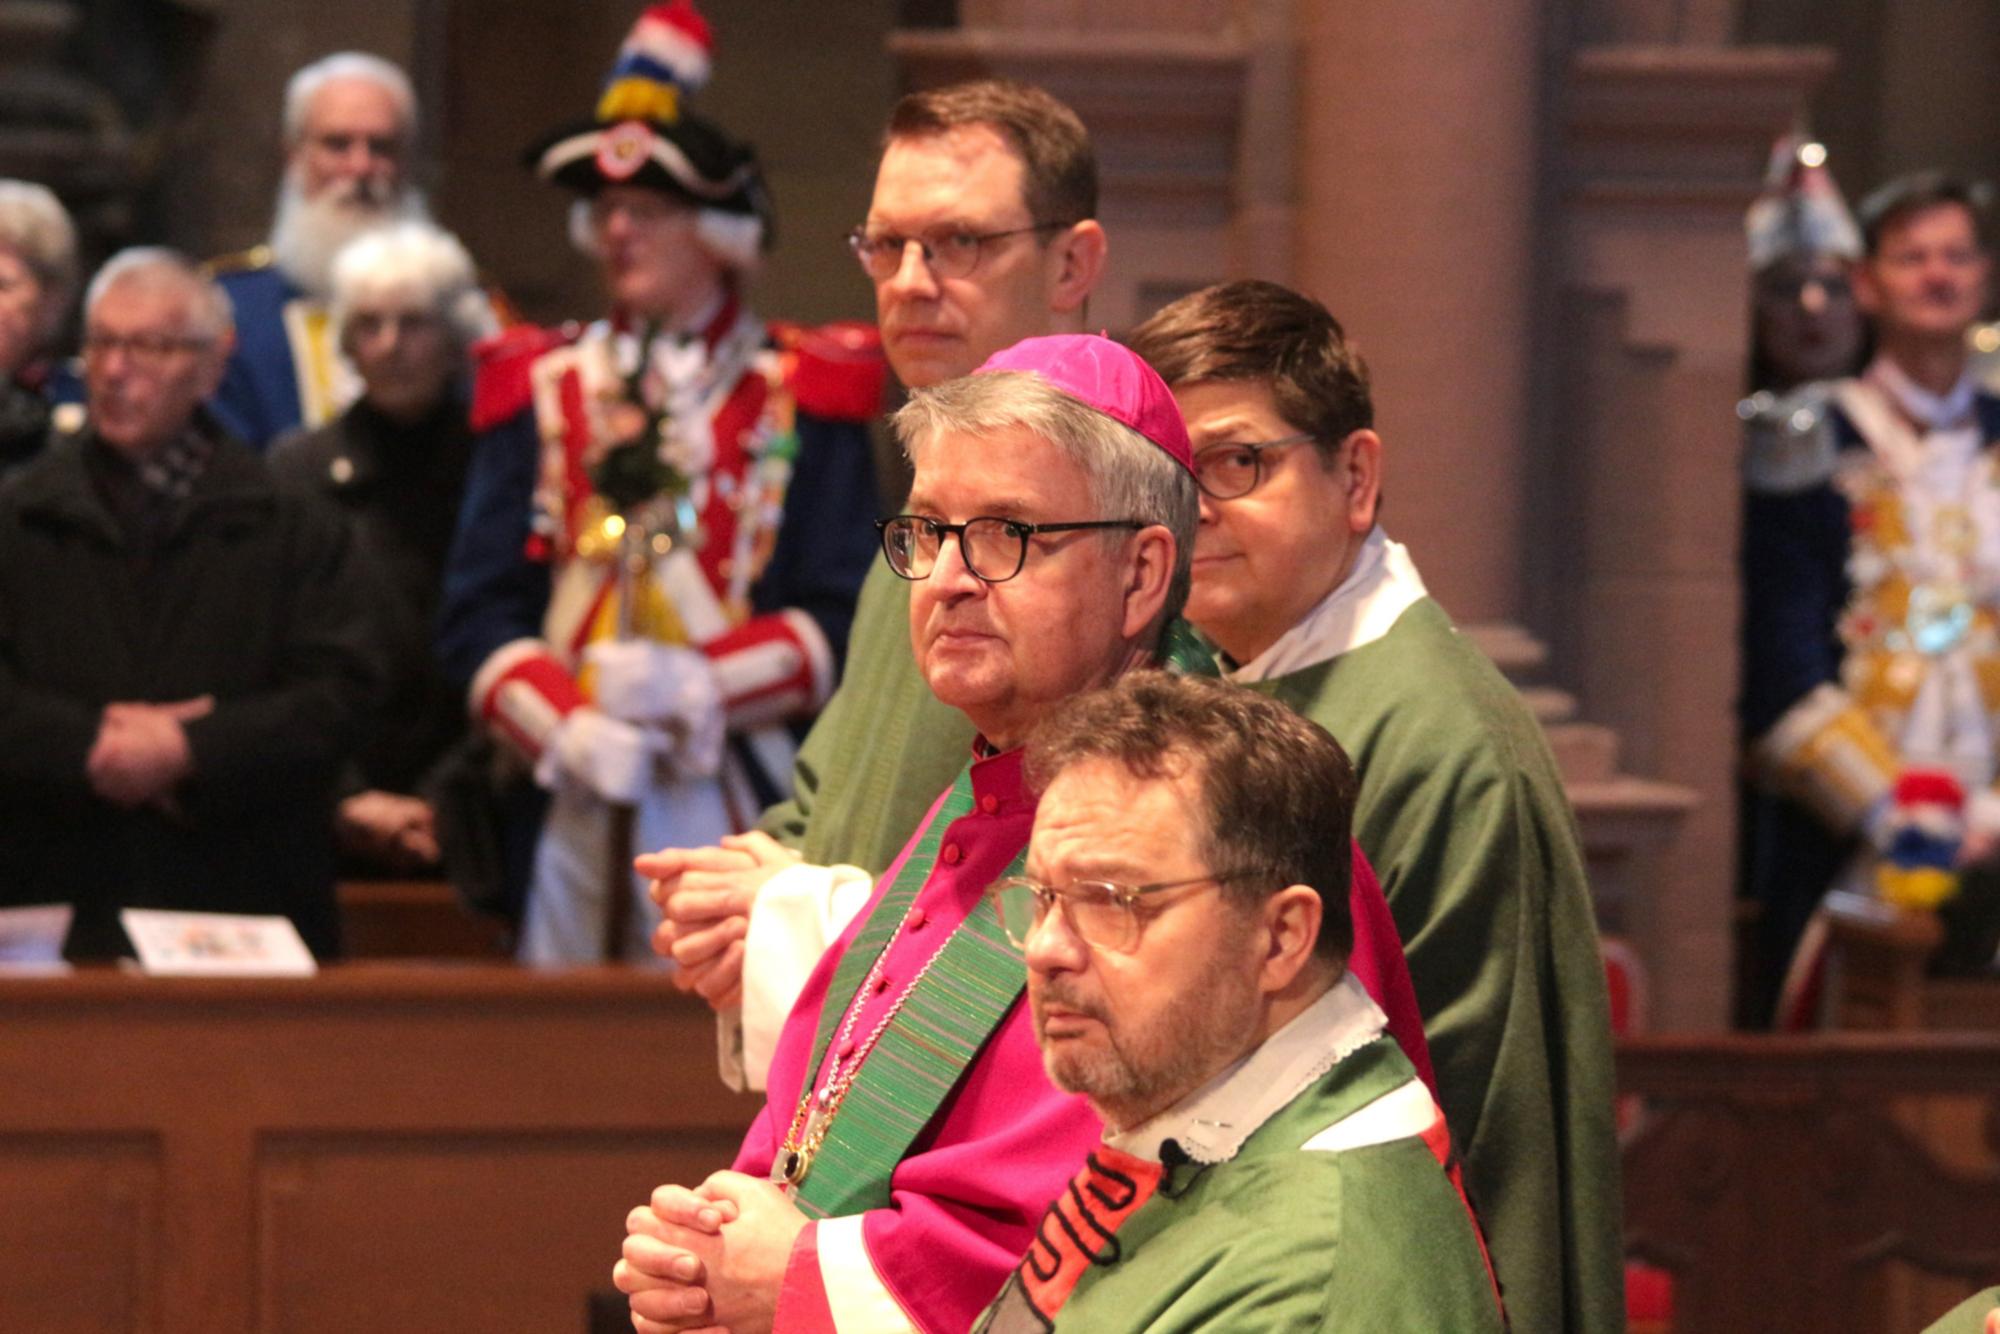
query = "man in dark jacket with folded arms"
{"x": 183, "y": 652}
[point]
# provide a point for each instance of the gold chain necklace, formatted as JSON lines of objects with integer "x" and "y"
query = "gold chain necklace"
{"x": 816, "y": 1110}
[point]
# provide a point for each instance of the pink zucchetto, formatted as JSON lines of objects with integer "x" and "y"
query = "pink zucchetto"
{"x": 1107, "y": 376}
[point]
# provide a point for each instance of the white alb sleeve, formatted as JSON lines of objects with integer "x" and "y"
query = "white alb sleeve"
{"x": 798, "y": 913}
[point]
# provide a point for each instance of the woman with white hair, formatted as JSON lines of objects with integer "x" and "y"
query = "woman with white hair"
{"x": 407, "y": 306}
{"x": 37, "y": 280}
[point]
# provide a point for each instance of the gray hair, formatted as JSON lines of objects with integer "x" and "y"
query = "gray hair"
{"x": 209, "y": 313}
{"x": 1129, "y": 476}
{"x": 307, "y": 82}
{"x": 418, "y": 262}
{"x": 35, "y": 226}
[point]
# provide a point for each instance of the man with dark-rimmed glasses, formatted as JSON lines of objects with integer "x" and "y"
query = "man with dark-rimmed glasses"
{"x": 1270, "y": 1159}
{"x": 1460, "y": 808}
{"x": 981, "y": 232}
{"x": 881, "y": 1202}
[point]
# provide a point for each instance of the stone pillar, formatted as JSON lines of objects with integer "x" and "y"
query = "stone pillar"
{"x": 1266, "y": 228}
{"x": 1418, "y": 134}
{"x": 1663, "y": 148}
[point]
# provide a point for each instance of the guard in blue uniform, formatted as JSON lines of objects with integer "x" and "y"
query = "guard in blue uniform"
{"x": 1872, "y": 583}
{"x": 285, "y": 335}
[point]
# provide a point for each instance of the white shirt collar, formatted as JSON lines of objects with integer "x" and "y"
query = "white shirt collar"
{"x": 1378, "y": 590}
{"x": 1211, "y": 1123}
{"x": 1933, "y": 412}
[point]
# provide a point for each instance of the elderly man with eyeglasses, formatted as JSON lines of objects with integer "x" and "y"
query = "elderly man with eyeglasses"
{"x": 1270, "y": 1158}
{"x": 1460, "y": 808}
{"x": 981, "y": 231}
{"x": 184, "y": 651}
{"x": 350, "y": 122}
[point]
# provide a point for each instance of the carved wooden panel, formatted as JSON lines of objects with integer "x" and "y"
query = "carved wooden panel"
{"x": 505, "y": 1232}
{"x": 1776, "y": 1179}
{"x": 88, "y": 1206}
{"x": 377, "y": 1148}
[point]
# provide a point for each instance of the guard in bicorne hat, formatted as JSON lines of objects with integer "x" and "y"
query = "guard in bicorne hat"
{"x": 669, "y": 511}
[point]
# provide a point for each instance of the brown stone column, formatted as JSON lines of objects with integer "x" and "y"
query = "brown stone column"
{"x": 1417, "y": 170}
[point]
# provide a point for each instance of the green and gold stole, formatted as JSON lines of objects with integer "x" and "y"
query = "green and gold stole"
{"x": 949, "y": 1014}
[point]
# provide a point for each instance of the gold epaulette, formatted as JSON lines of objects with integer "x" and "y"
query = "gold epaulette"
{"x": 241, "y": 261}
{"x": 505, "y": 313}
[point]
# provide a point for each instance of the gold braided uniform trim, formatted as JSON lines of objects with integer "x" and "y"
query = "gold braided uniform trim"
{"x": 1827, "y": 754}
{"x": 240, "y": 261}
{"x": 1882, "y": 683}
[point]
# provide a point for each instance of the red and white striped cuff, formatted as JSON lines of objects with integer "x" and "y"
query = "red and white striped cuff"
{"x": 521, "y": 692}
{"x": 772, "y": 668}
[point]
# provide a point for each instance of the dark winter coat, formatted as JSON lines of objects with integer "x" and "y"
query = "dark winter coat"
{"x": 242, "y": 592}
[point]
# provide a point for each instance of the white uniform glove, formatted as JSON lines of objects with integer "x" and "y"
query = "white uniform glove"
{"x": 612, "y": 758}
{"x": 1982, "y": 812}
{"x": 663, "y": 685}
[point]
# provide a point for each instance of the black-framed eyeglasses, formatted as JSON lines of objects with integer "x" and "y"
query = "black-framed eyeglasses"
{"x": 1227, "y": 471}
{"x": 993, "y": 549}
{"x": 949, "y": 254}
{"x": 1103, "y": 914}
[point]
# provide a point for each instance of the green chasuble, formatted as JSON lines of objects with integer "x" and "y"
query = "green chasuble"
{"x": 1969, "y": 1316}
{"x": 881, "y": 750}
{"x": 1371, "y": 1239}
{"x": 1464, "y": 817}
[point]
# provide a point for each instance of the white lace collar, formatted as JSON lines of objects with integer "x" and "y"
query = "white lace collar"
{"x": 1211, "y": 1123}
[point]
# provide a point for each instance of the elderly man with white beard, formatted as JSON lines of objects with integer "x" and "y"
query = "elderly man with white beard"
{"x": 350, "y": 119}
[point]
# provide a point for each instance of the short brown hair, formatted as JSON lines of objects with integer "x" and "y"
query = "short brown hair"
{"x": 1059, "y": 167}
{"x": 1263, "y": 332}
{"x": 1908, "y": 195}
{"x": 1278, "y": 792}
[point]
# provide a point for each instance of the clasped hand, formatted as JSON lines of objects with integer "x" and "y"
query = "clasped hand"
{"x": 708, "y": 1259}
{"x": 141, "y": 751}
{"x": 704, "y": 895}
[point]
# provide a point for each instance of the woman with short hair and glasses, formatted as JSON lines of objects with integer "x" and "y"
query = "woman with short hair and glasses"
{"x": 1461, "y": 809}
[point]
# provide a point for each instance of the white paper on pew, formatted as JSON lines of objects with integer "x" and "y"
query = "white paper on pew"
{"x": 31, "y": 938}
{"x": 213, "y": 944}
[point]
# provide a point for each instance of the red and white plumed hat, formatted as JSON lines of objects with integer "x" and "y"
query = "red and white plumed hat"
{"x": 643, "y": 134}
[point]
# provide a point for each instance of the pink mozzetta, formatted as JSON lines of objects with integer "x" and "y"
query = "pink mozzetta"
{"x": 1107, "y": 376}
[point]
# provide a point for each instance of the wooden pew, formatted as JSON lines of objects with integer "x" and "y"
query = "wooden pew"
{"x": 380, "y": 1148}
{"x": 1772, "y": 1176}
{"x": 1875, "y": 961}
{"x": 413, "y": 919}
{"x": 398, "y": 1148}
